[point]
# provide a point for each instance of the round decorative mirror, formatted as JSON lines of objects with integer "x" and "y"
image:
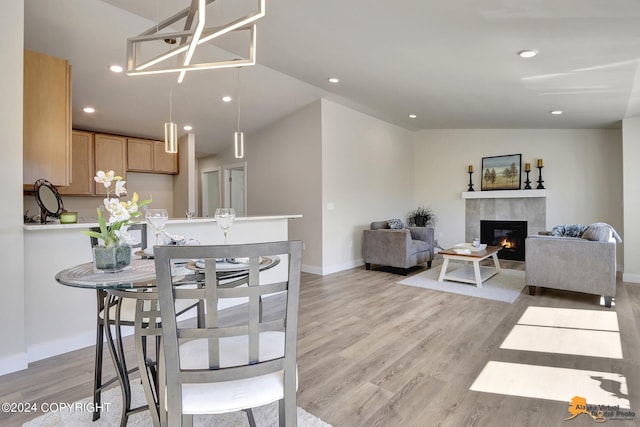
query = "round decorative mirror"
{"x": 48, "y": 199}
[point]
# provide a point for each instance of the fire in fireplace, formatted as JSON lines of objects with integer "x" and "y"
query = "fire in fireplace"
{"x": 510, "y": 235}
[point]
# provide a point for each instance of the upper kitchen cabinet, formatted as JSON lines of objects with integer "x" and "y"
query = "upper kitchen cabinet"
{"x": 47, "y": 119}
{"x": 82, "y": 170}
{"x": 110, "y": 154}
{"x": 145, "y": 155}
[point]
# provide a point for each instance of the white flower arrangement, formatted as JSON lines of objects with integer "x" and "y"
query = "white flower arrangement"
{"x": 121, "y": 214}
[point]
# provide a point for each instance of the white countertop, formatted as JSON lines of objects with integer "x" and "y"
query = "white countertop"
{"x": 85, "y": 225}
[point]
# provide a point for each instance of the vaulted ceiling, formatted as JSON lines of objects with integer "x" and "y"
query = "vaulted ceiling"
{"x": 453, "y": 64}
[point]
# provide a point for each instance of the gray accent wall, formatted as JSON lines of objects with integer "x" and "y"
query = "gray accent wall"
{"x": 533, "y": 210}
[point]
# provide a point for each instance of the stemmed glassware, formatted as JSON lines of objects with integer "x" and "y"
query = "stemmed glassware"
{"x": 157, "y": 218}
{"x": 224, "y": 217}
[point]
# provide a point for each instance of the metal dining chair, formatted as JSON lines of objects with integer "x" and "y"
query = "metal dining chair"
{"x": 220, "y": 366}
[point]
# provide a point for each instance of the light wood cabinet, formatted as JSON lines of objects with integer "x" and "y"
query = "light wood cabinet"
{"x": 139, "y": 155}
{"x": 82, "y": 165}
{"x": 46, "y": 119}
{"x": 145, "y": 155}
{"x": 110, "y": 154}
{"x": 164, "y": 162}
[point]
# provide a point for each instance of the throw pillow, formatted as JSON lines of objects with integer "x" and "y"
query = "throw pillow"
{"x": 395, "y": 224}
{"x": 568, "y": 230}
{"x": 601, "y": 232}
{"x": 598, "y": 234}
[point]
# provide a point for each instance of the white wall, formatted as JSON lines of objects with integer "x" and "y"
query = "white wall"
{"x": 582, "y": 173}
{"x": 158, "y": 186}
{"x": 367, "y": 175}
{"x": 631, "y": 150}
{"x": 284, "y": 177}
{"x": 185, "y": 187}
{"x": 12, "y": 302}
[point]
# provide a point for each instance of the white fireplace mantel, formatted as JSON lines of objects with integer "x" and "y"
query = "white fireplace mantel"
{"x": 503, "y": 194}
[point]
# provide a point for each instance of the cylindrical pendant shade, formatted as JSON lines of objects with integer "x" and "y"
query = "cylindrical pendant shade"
{"x": 239, "y": 144}
{"x": 171, "y": 137}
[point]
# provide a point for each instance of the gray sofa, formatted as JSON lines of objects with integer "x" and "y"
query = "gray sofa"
{"x": 571, "y": 263}
{"x": 400, "y": 248}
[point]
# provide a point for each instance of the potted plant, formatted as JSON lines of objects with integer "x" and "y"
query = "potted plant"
{"x": 422, "y": 217}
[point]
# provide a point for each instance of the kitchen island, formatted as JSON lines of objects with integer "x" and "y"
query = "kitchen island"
{"x": 59, "y": 319}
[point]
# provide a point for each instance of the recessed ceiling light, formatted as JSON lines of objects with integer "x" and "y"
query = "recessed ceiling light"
{"x": 116, "y": 68}
{"x": 412, "y": 116}
{"x": 89, "y": 110}
{"x": 334, "y": 80}
{"x": 188, "y": 128}
{"x": 226, "y": 98}
{"x": 557, "y": 112}
{"x": 527, "y": 53}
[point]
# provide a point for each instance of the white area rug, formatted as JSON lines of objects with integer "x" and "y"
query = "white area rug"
{"x": 265, "y": 416}
{"x": 505, "y": 286}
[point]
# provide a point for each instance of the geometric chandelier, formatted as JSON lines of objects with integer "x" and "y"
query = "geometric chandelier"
{"x": 183, "y": 52}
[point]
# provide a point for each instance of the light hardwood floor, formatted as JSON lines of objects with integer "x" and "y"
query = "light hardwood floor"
{"x": 375, "y": 353}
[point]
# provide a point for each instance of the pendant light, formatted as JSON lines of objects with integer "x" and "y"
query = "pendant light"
{"x": 238, "y": 137}
{"x": 170, "y": 129}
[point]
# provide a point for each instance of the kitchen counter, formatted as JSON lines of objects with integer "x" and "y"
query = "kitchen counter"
{"x": 89, "y": 224}
{"x": 59, "y": 319}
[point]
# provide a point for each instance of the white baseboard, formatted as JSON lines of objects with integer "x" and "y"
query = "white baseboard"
{"x": 13, "y": 363}
{"x": 322, "y": 271}
{"x": 312, "y": 269}
{"x": 631, "y": 278}
{"x": 65, "y": 345}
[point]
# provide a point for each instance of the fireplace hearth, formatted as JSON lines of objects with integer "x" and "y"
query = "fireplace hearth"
{"x": 510, "y": 235}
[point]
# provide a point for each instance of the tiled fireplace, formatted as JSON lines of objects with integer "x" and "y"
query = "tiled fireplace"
{"x": 528, "y": 206}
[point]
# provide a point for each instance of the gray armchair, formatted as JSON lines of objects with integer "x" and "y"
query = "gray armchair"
{"x": 400, "y": 248}
{"x": 573, "y": 264}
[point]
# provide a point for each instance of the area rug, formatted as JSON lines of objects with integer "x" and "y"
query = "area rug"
{"x": 265, "y": 416}
{"x": 505, "y": 286}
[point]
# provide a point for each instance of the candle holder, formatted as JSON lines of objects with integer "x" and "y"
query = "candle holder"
{"x": 527, "y": 187}
{"x": 470, "y": 183}
{"x": 540, "y": 181}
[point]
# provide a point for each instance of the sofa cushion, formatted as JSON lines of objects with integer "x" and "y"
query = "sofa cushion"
{"x": 395, "y": 224}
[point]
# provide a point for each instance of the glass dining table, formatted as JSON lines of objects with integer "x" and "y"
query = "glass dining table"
{"x": 137, "y": 282}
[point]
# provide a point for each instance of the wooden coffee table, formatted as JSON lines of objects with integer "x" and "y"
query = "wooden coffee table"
{"x": 475, "y": 275}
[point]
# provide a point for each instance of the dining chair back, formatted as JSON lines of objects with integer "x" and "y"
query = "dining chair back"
{"x": 235, "y": 362}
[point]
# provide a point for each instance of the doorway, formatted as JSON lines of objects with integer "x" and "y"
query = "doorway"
{"x": 210, "y": 184}
{"x": 235, "y": 188}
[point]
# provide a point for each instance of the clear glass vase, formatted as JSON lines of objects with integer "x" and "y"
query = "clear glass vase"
{"x": 112, "y": 259}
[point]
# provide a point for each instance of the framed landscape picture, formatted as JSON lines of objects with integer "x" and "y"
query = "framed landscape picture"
{"x": 501, "y": 172}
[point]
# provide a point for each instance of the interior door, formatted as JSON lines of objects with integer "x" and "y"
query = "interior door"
{"x": 210, "y": 185}
{"x": 236, "y": 191}
{"x": 235, "y": 188}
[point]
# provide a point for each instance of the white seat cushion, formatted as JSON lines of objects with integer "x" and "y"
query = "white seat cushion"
{"x": 233, "y": 395}
{"x": 128, "y": 310}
